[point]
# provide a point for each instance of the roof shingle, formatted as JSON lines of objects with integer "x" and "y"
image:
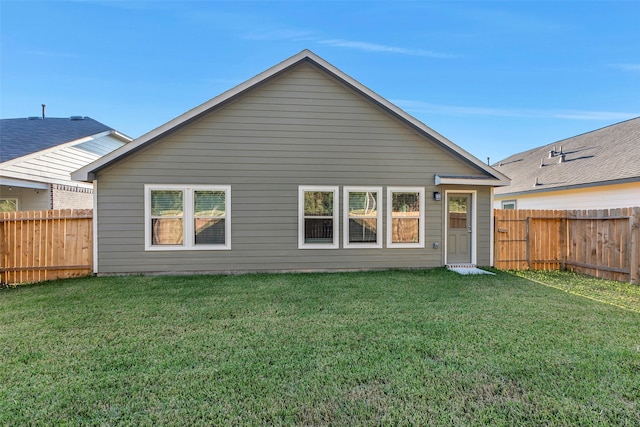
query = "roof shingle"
{"x": 610, "y": 154}
{"x": 19, "y": 137}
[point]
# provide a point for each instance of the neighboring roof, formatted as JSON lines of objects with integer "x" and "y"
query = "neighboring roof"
{"x": 609, "y": 155}
{"x": 19, "y": 137}
{"x": 87, "y": 173}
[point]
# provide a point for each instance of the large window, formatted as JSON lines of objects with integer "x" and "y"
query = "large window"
{"x": 405, "y": 217}
{"x": 187, "y": 217}
{"x": 362, "y": 217}
{"x": 317, "y": 217}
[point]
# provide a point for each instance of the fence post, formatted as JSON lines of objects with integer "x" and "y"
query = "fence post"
{"x": 634, "y": 231}
{"x": 563, "y": 243}
{"x": 527, "y": 243}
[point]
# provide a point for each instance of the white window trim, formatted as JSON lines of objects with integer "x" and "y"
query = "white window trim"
{"x": 336, "y": 218}
{"x": 508, "y": 202}
{"x": 421, "y": 225}
{"x": 345, "y": 221}
{"x": 188, "y": 231}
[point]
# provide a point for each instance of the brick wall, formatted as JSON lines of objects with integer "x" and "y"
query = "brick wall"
{"x": 70, "y": 197}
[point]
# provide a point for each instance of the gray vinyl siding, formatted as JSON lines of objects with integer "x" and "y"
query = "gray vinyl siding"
{"x": 301, "y": 128}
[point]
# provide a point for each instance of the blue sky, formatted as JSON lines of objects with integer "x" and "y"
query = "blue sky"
{"x": 494, "y": 77}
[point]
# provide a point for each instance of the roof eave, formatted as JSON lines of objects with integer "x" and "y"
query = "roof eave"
{"x": 569, "y": 187}
{"x": 472, "y": 180}
{"x": 56, "y": 148}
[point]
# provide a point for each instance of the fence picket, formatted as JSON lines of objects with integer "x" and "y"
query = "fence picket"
{"x": 45, "y": 245}
{"x": 603, "y": 243}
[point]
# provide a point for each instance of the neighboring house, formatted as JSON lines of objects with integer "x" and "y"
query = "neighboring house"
{"x": 38, "y": 154}
{"x": 300, "y": 168}
{"x": 595, "y": 170}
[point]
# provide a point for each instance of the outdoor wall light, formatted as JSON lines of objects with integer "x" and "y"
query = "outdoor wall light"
{"x": 436, "y": 196}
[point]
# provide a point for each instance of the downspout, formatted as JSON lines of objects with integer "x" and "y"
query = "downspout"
{"x": 491, "y": 229}
{"x": 95, "y": 226}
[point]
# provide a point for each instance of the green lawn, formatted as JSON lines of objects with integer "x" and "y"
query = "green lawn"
{"x": 382, "y": 348}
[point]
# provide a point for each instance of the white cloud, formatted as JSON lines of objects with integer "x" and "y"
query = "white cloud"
{"x": 423, "y": 108}
{"x": 301, "y": 35}
{"x": 279, "y": 35}
{"x": 373, "y": 47}
{"x": 627, "y": 67}
{"x": 52, "y": 54}
{"x": 594, "y": 115}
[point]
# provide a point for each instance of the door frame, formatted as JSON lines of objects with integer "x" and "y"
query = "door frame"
{"x": 474, "y": 222}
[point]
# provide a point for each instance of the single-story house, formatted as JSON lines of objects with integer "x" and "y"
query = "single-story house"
{"x": 38, "y": 154}
{"x": 300, "y": 168}
{"x": 595, "y": 170}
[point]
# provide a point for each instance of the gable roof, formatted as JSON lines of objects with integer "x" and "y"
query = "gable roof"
{"x": 19, "y": 137}
{"x": 609, "y": 155}
{"x": 495, "y": 178}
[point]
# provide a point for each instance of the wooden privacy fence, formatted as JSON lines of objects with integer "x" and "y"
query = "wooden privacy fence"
{"x": 45, "y": 245}
{"x": 602, "y": 243}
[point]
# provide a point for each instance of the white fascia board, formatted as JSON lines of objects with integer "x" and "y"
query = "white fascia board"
{"x": 20, "y": 183}
{"x": 121, "y": 136}
{"x": 52, "y": 149}
{"x": 471, "y": 181}
{"x": 568, "y": 187}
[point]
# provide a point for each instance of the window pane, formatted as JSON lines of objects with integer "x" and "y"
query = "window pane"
{"x": 166, "y": 203}
{"x": 405, "y": 230}
{"x": 458, "y": 212}
{"x": 363, "y": 230}
{"x": 209, "y": 203}
{"x": 210, "y": 231}
{"x": 318, "y": 230}
{"x": 8, "y": 205}
{"x": 166, "y": 231}
{"x": 405, "y": 202}
{"x": 318, "y": 203}
{"x": 363, "y": 203}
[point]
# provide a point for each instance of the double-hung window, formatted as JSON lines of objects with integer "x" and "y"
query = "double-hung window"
{"x": 187, "y": 217}
{"x": 362, "y": 217}
{"x": 318, "y": 217}
{"x": 405, "y": 217}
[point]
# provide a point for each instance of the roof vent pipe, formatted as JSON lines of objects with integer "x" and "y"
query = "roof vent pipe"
{"x": 542, "y": 162}
{"x": 562, "y": 158}
{"x": 535, "y": 184}
{"x": 43, "y": 108}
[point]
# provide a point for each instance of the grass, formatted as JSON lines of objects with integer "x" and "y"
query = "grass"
{"x": 386, "y": 348}
{"x": 620, "y": 294}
